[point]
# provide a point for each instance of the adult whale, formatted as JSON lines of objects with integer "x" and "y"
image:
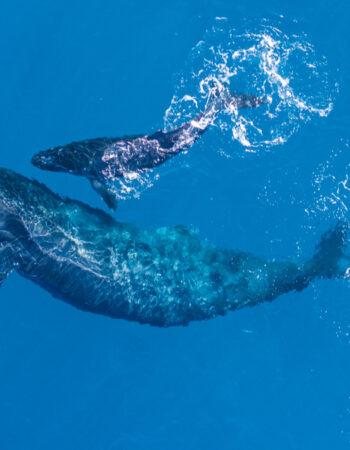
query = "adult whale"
{"x": 103, "y": 160}
{"x": 162, "y": 277}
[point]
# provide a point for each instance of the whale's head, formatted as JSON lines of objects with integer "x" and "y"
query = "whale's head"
{"x": 69, "y": 158}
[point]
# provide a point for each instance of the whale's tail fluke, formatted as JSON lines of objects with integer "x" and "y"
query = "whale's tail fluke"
{"x": 184, "y": 136}
{"x": 247, "y": 100}
{"x": 221, "y": 99}
{"x": 329, "y": 260}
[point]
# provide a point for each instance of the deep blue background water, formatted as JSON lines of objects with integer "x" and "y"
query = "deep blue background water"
{"x": 275, "y": 376}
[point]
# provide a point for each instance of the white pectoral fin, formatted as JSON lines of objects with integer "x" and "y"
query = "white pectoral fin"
{"x": 107, "y": 194}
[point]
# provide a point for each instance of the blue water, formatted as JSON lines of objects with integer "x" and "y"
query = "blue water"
{"x": 271, "y": 377}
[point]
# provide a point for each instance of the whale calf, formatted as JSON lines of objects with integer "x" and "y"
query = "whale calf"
{"x": 162, "y": 277}
{"x": 103, "y": 160}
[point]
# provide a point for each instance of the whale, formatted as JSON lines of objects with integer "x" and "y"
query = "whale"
{"x": 103, "y": 160}
{"x": 163, "y": 277}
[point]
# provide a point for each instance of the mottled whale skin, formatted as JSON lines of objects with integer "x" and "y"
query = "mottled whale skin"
{"x": 103, "y": 160}
{"x": 162, "y": 277}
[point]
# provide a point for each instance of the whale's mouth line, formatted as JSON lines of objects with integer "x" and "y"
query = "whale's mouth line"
{"x": 45, "y": 162}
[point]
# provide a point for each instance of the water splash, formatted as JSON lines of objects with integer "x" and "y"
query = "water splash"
{"x": 282, "y": 70}
{"x": 133, "y": 184}
{"x": 258, "y": 61}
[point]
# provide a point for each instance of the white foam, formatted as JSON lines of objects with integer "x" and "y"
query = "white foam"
{"x": 263, "y": 61}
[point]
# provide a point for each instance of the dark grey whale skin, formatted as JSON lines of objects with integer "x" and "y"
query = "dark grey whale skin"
{"x": 103, "y": 160}
{"x": 162, "y": 277}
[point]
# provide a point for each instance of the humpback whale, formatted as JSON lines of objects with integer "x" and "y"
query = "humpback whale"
{"x": 162, "y": 277}
{"x": 103, "y": 160}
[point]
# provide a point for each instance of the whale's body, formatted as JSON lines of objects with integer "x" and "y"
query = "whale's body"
{"x": 104, "y": 160}
{"x": 162, "y": 277}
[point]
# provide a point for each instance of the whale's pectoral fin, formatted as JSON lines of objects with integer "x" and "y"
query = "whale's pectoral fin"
{"x": 107, "y": 194}
{"x": 7, "y": 250}
{"x": 7, "y": 263}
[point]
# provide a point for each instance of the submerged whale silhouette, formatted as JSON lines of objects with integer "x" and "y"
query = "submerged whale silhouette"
{"x": 162, "y": 277}
{"x": 103, "y": 160}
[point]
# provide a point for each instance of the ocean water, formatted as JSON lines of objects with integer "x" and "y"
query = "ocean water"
{"x": 270, "y": 377}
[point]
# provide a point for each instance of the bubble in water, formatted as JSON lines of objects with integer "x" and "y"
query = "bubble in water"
{"x": 229, "y": 71}
{"x": 331, "y": 185}
{"x": 283, "y": 71}
{"x": 133, "y": 184}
